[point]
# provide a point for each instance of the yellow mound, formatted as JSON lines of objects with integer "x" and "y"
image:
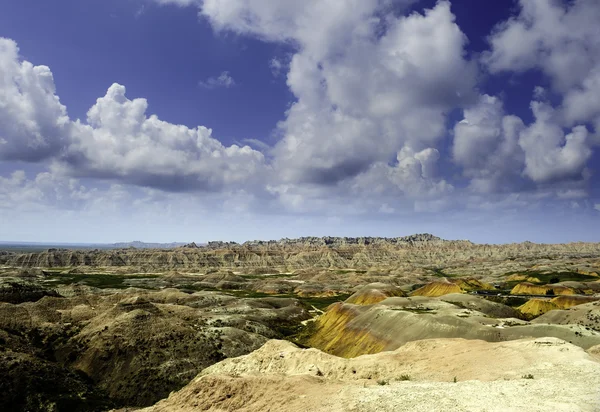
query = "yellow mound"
{"x": 371, "y": 295}
{"x": 526, "y": 288}
{"x": 537, "y": 307}
{"x": 437, "y": 288}
{"x": 566, "y": 302}
{"x": 468, "y": 284}
{"x": 334, "y": 336}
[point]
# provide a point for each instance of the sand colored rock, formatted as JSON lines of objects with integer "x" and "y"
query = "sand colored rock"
{"x": 568, "y": 301}
{"x": 586, "y": 315}
{"x": 282, "y": 377}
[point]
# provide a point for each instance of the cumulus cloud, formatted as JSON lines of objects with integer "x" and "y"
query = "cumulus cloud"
{"x": 367, "y": 130}
{"x": 32, "y": 119}
{"x": 43, "y": 191}
{"x": 497, "y": 151}
{"x": 364, "y": 95}
{"x": 560, "y": 39}
{"x": 486, "y": 146}
{"x": 223, "y": 80}
{"x": 413, "y": 175}
{"x": 551, "y": 155}
{"x": 121, "y": 142}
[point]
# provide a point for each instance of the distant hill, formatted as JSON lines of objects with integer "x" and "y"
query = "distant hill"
{"x": 143, "y": 245}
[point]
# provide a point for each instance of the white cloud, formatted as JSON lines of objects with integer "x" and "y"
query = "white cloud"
{"x": 561, "y": 39}
{"x": 366, "y": 133}
{"x": 223, "y": 80}
{"x": 597, "y": 207}
{"x": 121, "y": 142}
{"x": 32, "y": 119}
{"x": 497, "y": 151}
{"x": 486, "y": 146}
{"x": 367, "y": 96}
{"x": 549, "y": 154}
{"x": 44, "y": 191}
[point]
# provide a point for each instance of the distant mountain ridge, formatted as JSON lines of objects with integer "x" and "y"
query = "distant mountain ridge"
{"x": 331, "y": 241}
{"x": 145, "y": 245}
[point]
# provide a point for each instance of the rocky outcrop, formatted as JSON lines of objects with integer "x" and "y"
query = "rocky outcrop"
{"x": 432, "y": 375}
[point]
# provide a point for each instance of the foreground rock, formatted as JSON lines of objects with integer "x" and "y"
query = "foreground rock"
{"x": 432, "y": 375}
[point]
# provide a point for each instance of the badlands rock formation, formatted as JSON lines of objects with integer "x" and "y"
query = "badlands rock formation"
{"x": 545, "y": 374}
{"x": 409, "y": 254}
{"x": 428, "y": 324}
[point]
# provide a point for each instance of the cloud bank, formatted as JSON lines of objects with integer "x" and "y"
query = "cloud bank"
{"x": 368, "y": 131}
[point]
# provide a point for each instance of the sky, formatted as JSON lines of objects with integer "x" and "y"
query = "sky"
{"x": 197, "y": 120}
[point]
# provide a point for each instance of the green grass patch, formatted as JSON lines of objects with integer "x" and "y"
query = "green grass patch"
{"x": 102, "y": 281}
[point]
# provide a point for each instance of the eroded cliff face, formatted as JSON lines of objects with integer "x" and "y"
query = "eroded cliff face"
{"x": 419, "y": 251}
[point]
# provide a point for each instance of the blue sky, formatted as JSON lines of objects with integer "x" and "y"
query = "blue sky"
{"x": 181, "y": 120}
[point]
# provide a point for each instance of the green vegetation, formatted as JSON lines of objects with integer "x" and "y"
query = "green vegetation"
{"x": 103, "y": 281}
{"x": 513, "y": 302}
{"x": 528, "y": 376}
{"x": 277, "y": 276}
{"x": 383, "y": 382}
{"x": 404, "y": 377}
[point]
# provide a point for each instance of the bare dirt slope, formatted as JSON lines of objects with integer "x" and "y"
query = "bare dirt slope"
{"x": 544, "y": 374}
